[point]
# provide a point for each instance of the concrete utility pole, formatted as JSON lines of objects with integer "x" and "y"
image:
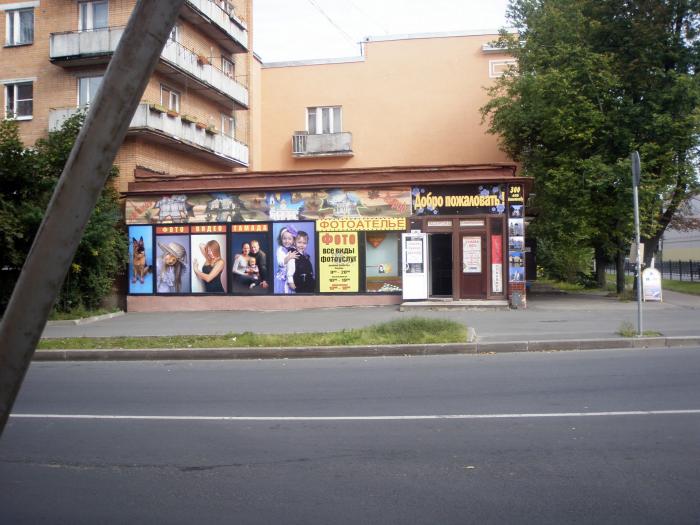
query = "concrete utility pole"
{"x": 78, "y": 189}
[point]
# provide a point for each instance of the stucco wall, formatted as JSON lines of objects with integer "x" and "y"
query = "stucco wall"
{"x": 409, "y": 102}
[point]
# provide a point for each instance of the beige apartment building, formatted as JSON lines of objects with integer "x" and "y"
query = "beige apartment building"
{"x": 194, "y": 114}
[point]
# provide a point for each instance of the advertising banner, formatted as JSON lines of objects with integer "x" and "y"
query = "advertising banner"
{"x": 224, "y": 207}
{"x": 651, "y": 284}
{"x": 338, "y": 262}
{"x": 497, "y": 263}
{"x": 459, "y": 200}
{"x": 357, "y": 224}
{"x": 172, "y": 264}
{"x": 295, "y": 253}
{"x": 250, "y": 246}
{"x": 140, "y": 260}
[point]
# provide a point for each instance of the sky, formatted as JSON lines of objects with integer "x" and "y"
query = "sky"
{"x": 287, "y": 30}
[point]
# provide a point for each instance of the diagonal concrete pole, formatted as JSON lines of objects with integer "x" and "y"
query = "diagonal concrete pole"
{"x": 78, "y": 189}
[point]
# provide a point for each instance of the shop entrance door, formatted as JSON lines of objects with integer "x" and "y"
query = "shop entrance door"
{"x": 473, "y": 272}
{"x": 441, "y": 264}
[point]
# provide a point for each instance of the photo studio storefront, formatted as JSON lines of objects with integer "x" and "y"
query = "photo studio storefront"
{"x": 269, "y": 240}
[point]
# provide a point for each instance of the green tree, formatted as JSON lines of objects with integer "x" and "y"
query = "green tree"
{"x": 27, "y": 179}
{"x": 595, "y": 80}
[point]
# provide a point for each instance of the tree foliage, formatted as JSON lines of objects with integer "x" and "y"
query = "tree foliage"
{"x": 27, "y": 179}
{"x": 594, "y": 81}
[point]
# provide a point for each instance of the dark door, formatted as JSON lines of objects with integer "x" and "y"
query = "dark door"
{"x": 472, "y": 249}
{"x": 441, "y": 264}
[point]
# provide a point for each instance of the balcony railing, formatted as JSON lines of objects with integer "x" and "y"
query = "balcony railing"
{"x": 86, "y": 44}
{"x": 173, "y": 129}
{"x": 326, "y": 144}
{"x": 227, "y": 22}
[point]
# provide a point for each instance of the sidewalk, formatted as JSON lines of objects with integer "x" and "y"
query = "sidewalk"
{"x": 548, "y": 316}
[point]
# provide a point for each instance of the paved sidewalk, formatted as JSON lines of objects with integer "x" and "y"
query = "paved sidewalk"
{"x": 548, "y": 317}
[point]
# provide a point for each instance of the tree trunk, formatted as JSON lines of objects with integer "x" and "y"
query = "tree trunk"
{"x": 620, "y": 271}
{"x": 601, "y": 262}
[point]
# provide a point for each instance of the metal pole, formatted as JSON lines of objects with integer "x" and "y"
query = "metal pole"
{"x": 639, "y": 262}
{"x": 636, "y": 177}
{"x": 78, "y": 189}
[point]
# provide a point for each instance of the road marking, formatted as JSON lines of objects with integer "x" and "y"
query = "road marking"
{"x": 358, "y": 418}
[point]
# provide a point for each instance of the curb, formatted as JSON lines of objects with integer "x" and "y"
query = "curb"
{"x": 191, "y": 354}
{"x": 85, "y": 320}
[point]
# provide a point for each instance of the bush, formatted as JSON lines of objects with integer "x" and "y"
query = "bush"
{"x": 27, "y": 180}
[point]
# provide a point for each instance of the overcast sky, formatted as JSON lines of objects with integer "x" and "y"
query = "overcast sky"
{"x": 306, "y": 29}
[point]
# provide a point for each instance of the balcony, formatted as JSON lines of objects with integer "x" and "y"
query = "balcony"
{"x": 79, "y": 48}
{"x": 225, "y": 28}
{"x": 174, "y": 132}
{"x": 322, "y": 145}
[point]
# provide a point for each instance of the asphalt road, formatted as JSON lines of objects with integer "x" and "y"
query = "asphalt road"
{"x": 571, "y": 437}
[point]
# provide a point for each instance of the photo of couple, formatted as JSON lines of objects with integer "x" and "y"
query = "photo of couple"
{"x": 249, "y": 268}
{"x": 294, "y": 256}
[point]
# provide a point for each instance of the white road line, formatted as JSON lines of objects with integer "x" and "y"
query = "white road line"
{"x": 357, "y": 418}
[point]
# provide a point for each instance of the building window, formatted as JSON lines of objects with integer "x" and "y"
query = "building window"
{"x": 170, "y": 98}
{"x": 93, "y": 15}
{"x": 19, "y": 100}
{"x": 382, "y": 262}
{"x": 19, "y": 27}
{"x": 227, "y": 66}
{"x": 323, "y": 120}
{"x": 228, "y": 125}
{"x": 87, "y": 89}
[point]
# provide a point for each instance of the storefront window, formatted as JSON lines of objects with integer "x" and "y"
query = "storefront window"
{"x": 382, "y": 262}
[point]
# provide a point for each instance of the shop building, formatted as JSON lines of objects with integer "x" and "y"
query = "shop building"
{"x": 361, "y": 237}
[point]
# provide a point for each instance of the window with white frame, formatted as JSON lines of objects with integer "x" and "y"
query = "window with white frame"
{"x": 19, "y": 100}
{"x": 93, "y": 15}
{"x": 228, "y": 125}
{"x": 19, "y": 27}
{"x": 169, "y": 98}
{"x": 326, "y": 119}
{"x": 87, "y": 89}
{"x": 227, "y": 66}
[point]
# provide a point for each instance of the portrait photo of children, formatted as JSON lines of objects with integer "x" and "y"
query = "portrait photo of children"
{"x": 295, "y": 256}
{"x": 172, "y": 264}
{"x": 140, "y": 260}
{"x": 250, "y": 263}
{"x": 208, "y": 270}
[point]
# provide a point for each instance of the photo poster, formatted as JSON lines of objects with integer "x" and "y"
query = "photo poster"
{"x": 172, "y": 264}
{"x": 140, "y": 272}
{"x": 288, "y": 237}
{"x": 339, "y": 268}
{"x": 516, "y": 227}
{"x": 250, "y": 274}
{"x": 517, "y": 275}
{"x": 213, "y": 274}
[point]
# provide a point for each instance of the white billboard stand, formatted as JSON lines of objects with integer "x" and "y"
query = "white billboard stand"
{"x": 414, "y": 251}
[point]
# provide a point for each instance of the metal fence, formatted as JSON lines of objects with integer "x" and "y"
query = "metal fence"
{"x": 673, "y": 270}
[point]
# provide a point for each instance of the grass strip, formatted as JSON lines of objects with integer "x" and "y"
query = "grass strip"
{"x": 415, "y": 330}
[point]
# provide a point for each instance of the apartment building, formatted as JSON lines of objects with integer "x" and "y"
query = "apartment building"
{"x": 378, "y": 184}
{"x": 194, "y": 115}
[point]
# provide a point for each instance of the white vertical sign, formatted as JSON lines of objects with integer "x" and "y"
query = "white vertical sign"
{"x": 414, "y": 250}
